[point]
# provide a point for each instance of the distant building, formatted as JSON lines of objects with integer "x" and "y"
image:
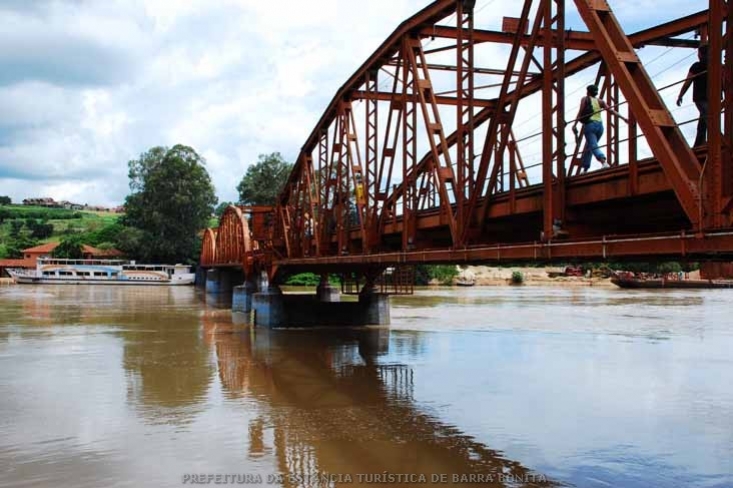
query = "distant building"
{"x": 30, "y": 255}
{"x": 43, "y": 251}
{"x": 88, "y": 252}
{"x": 41, "y": 202}
{"x": 71, "y": 205}
{"x": 51, "y": 203}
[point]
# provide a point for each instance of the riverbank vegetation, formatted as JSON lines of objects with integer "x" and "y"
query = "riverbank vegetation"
{"x": 517, "y": 278}
{"x": 425, "y": 274}
{"x": 171, "y": 202}
{"x": 264, "y": 180}
{"x": 23, "y": 226}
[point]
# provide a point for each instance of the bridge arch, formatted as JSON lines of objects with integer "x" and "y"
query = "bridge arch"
{"x": 233, "y": 241}
{"x": 208, "y": 248}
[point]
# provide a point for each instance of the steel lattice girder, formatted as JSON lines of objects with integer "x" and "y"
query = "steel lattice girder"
{"x": 430, "y": 191}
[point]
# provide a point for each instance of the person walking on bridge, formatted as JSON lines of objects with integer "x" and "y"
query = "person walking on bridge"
{"x": 589, "y": 114}
{"x": 698, "y": 78}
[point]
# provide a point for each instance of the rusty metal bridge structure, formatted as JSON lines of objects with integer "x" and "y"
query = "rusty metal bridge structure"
{"x": 417, "y": 158}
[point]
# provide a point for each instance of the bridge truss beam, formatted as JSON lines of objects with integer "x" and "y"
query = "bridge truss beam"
{"x": 419, "y": 151}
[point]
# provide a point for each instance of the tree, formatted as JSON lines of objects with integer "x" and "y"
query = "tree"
{"x": 14, "y": 246}
{"x": 5, "y": 200}
{"x": 139, "y": 169}
{"x": 106, "y": 233}
{"x": 171, "y": 201}
{"x": 444, "y": 274}
{"x": 264, "y": 180}
{"x": 69, "y": 248}
{"x": 130, "y": 240}
{"x": 39, "y": 230}
{"x": 15, "y": 227}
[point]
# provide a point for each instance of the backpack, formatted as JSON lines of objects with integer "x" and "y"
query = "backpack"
{"x": 587, "y": 111}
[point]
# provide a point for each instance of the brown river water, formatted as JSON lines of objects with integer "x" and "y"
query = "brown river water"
{"x": 528, "y": 386}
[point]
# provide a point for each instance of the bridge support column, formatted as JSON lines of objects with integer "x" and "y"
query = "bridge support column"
{"x": 221, "y": 281}
{"x": 200, "y": 279}
{"x": 326, "y": 292}
{"x": 242, "y": 297}
{"x": 269, "y": 307}
{"x": 274, "y": 309}
{"x": 212, "y": 282}
{"x": 375, "y": 307}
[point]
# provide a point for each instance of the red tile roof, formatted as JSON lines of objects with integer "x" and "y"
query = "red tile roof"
{"x": 17, "y": 263}
{"x": 86, "y": 250}
{"x": 42, "y": 249}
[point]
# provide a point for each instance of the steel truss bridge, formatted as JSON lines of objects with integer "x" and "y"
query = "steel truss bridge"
{"x": 417, "y": 158}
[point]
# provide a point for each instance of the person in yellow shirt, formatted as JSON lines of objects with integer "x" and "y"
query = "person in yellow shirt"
{"x": 589, "y": 114}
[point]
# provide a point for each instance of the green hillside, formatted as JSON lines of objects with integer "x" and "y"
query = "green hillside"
{"x": 26, "y": 226}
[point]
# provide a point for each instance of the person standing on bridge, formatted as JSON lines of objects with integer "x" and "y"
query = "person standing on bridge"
{"x": 589, "y": 114}
{"x": 308, "y": 226}
{"x": 698, "y": 78}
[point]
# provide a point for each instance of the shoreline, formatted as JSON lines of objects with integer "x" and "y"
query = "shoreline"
{"x": 487, "y": 276}
{"x": 496, "y": 276}
{"x": 571, "y": 282}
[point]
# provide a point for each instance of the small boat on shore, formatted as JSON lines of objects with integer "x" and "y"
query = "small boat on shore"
{"x": 568, "y": 271}
{"x": 465, "y": 282}
{"x": 51, "y": 271}
{"x": 465, "y": 278}
{"x": 671, "y": 280}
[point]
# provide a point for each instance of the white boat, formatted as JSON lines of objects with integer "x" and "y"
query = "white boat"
{"x": 51, "y": 271}
{"x": 466, "y": 278}
{"x": 465, "y": 282}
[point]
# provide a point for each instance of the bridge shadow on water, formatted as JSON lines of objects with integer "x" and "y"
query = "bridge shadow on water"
{"x": 331, "y": 406}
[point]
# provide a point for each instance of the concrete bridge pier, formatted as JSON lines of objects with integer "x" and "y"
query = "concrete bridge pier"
{"x": 242, "y": 296}
{"x": 274, "y": 309}
{"x": 212, "y": 281}
{"x": 269, "y": 307}
{"x": 375, "y": 306}
{"x": 200, "y": 280}
{"x": 220, "y": 281}
{"x": 326, "y": 292}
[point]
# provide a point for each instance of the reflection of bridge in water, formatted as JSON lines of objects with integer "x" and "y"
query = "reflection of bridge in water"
{"x": 330, "y": 407}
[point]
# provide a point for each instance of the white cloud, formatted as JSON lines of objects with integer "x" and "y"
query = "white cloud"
{"x": 87, "y": 85}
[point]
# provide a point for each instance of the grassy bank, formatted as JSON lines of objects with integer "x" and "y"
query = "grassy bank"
{"x": 25, "y": 226}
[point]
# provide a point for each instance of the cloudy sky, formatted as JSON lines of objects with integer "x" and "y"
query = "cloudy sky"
{"x": 86, "y": 85}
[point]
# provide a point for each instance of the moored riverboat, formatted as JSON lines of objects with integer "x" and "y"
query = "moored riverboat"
{"x": 671, "y": 280}
{"x": 102, "y": 272}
